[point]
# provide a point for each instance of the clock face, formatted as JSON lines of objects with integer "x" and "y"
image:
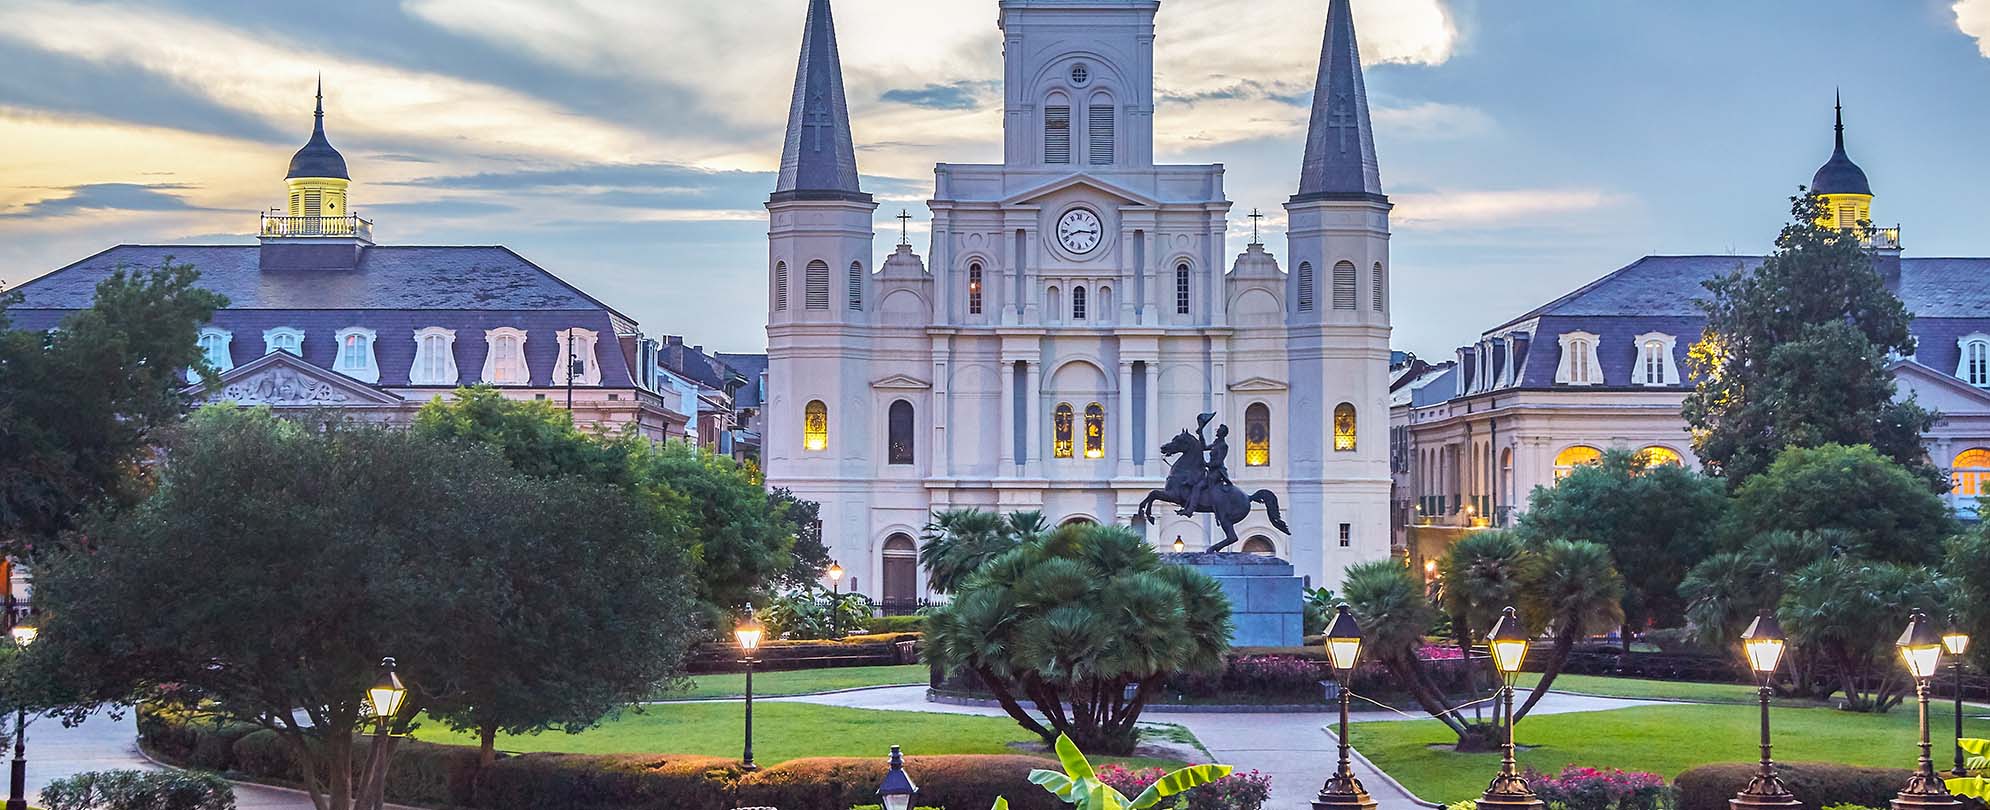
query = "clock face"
{"x": 1079, "y": 231}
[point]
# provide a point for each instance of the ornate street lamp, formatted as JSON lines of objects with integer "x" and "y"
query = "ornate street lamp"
{"x": 1179, "y": 546}
{"x": 1763, "y": 643}
{"x": 897, "y": 791}
{"x": 386, "y": 696}
{"x": 835, "y": 577}
{"x": 1956, "y": 642}
{"x": 23, "y": 632}
{"x": 1509, "y": 641}
{"x": 748, "y": 631}
{"x": 1921, "y": 647}
{"x": 1343, "y": 791}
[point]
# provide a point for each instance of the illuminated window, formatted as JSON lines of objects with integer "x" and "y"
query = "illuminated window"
{"x": 1077, "y": 303}
{"x": 214, "y": 348}
{"x": 974, "y": 289}
{"x": 1344, "y": 285}
{"x": 1060, "y": 427}
{"x": 1181, "y": 289}
{"x": 1257, "y": 435}
{"x": 1972, "y": 472}
{"x": 815, "y": 285}
{"x": 1305, "y": 286}
{"x": 1344, "y": 426}
{"x": 780, "y": 286}
{"x": 1974, "y": 368}
{"x": 815, "y": 426}
{"x": 1576, "y": 456}
{"x": 1260, "y": 545}
{"x": 284, "y": 339}
{"x": 355, "y": 357}
{"x": 504, "y": 363}
{"x": 435, "y": 357}
{"x": 1095, "y": 431}
{"x": 1656, "y": 455}
{"x": 898, "y": 444}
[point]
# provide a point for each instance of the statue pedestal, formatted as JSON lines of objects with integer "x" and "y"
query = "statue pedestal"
{"x": 1267, "y": 602}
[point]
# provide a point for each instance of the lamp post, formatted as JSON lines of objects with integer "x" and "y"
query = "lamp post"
{"x": 1508, "y": 791}
{"x": 1342, "y": 790}
{"x": 1763, "y": 642}
{"x": 1179, "y": 545}
{"x": 748, "y": 631}
{"x": 897, "y": 791}
{"x": 835, "y": 578}
{"x": 1921, "y": 648}
{"x": 385, "y": 696}
{"x": 1956, "y": 642}
{"x": 23, "y": 633}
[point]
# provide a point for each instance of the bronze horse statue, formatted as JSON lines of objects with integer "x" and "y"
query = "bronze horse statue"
{"x": 1225, "y": 501}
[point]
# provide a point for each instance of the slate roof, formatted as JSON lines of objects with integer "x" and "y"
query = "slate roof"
{"x": 819, "y": 158}
{"x": 1340, "y": 158}
{"x": 751, "y": 366}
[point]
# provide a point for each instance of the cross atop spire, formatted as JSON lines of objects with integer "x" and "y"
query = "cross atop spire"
{"x": 1255, "y": 216}
{"x": 1340, "y": 143}
{"x": 819, "y": 160}
{"x": 904, "y": 233}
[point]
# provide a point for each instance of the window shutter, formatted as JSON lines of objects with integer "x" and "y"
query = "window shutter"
{"x": 780, "y": 286}
{"x": 1099, "y": 134}
{"x": 815, "y": 283}
{"x": 1057, "y": 134}
{"x": 1344, "y": 285}
{"x": 856, "y": 286}
{"x": 1305, "y": 286}
{"x": 1380, "y": 277}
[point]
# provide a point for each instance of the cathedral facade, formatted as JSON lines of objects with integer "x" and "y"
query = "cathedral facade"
{"x": 1075, "y": 309}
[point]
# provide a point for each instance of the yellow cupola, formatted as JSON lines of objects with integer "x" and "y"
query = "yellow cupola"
{"x": 318, "y": 179}
{"x": 1843, "y": 185}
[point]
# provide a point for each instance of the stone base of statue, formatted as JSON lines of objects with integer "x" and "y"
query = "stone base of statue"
{"x": 1267, "y": 602}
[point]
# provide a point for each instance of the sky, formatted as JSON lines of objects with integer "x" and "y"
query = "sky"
{"x": 1530, "y": 146}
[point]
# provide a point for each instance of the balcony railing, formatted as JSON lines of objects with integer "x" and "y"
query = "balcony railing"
{"x": 280, "y": 226}
{"x": 1881, "y": 238}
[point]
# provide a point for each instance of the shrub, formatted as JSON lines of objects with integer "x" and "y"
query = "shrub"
{"x": 190, "y": 737}
{"x": 816, "y": 614}
{"x": 1816, "y": 784}
{"x": 1580, "y": 788}
{"x": 139, "y": 790}
{"x": 895, "y": 624}
{"x": 1238, "y": 791}
{"x": 629, "y": 782}
{"x": 836, "y": 783}
{"x": 431, "y": 774}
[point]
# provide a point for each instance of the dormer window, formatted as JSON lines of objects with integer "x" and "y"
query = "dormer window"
{"x": 1579, "y": 365}
{"x": 1974, "y": 366}
{"x": 578, "y": 347}
{"x": 435, "y": 357}
{"x": 284, "y": 339}
{"x": 214, "y": 348}
{"x": 355, "y": 357}
{"x": 1655, "y": 366}
{"x": 504, "y": 363}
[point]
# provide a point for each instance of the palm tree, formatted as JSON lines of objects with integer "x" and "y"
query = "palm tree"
{"x": 959, "y": 542}
{"x": 1479, "y": 577}
{"x": 1395, "y": 612}
{"x": 1573, "y": 590}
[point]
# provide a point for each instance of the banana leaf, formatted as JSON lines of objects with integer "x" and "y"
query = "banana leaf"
{"x": 1178, "y": 781}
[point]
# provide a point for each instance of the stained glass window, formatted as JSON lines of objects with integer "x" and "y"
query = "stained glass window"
{"x": 1344, "y": 426}
{"x": 1257, "y": 435}
{"x": 1060, "y": 425}
{"x": 815, "y": 426}
{"x": 1095, "y": 431}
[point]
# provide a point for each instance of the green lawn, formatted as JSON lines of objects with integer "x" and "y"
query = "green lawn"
{"x": 800, "y": 682}
{"x": 781, "y": 731}
{"x": 1661, "y": 739}
{"x": 1640, "y": 688}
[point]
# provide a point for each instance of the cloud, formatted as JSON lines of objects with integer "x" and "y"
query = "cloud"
{"x": 1449, "y": 210}
{"x": 961, "y": 95}
{"x": 1973, "y": 18}
{"x": 107, "y": 197}
{"x": 649, "y": 186}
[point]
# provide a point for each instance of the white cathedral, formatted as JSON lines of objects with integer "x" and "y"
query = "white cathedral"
{"x": 1075, "y": 312}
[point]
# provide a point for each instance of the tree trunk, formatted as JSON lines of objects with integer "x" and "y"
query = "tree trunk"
{"x": 1564, "y": 644}
{"x": 1009, "y": 704}
{"x": 1409, "y": 670}
{"x": 487, "y": 751}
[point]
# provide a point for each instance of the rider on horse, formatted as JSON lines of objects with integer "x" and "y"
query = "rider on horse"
{"x": 1215, "y": 472}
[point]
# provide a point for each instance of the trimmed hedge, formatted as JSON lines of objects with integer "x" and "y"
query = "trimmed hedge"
{"x": 583, "y": 782}
{"x": 970, "y": 782}
{"x": 896, "y": 624}
{"x": 1816, "y": 784}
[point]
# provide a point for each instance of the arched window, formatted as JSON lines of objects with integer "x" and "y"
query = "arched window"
{"x": 355, "y": 357}
{"x": 214, "y": 348}
{"x": 1095, "y": 431}
{"x": 1657, "y": 455}
{"x": 1344, "y": 285}
{"x": 1974, "y": 368}
{"x": 856, "y": 286}
{"x": 1344, "y": 426}
{"x": 815, "y": 426}
{"x": 898, "y": 444}
{"x": 1057, "y": 132}
{"x": 1060, "y": 427}
{"x": 504, "y": 359}
{"x": 901, "y": 572}
{"x": 780, "y": 286}
{"x": 1579, "y": 365}
{"x": 815, "y": 285}
{"x": 1972, "y": 472}
{"x": 1181, "y": 288}
{"x": 1257, "y": 435}
{"x": 1567, "y": 460}
{"x": 581, "y": 364}
{"x": 1260, "y": 545}
{"x": 283, "y": 339}
{"x": 435, "y": 357}
{"x": 1380, "y": 277}
{"x": 1305, "y": 286}
{"x": 1077, "y": 303}
{"x": 974, "y": 288}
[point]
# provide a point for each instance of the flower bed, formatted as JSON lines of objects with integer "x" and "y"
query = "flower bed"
{"x": 1584, "y": 788}
{"x": 1246, "y": 790}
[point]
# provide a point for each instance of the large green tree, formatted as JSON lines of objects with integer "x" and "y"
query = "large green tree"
{"x": 276, "y": 564}
{"x": 1849, "y": 612}
{"x": 1068, "y": 620}
{"x": 82, "y": 405}
{"x": 1656, "y": 520}
{"x": 1884, "y": 512}
{"x": 1795, "y": 353}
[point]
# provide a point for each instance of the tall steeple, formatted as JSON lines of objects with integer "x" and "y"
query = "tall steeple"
{"x": 819, "y": 160}
{"x": 1340, "y": 143}
{"x": 318, "y": 159}
{"x": 1847, "y": 194}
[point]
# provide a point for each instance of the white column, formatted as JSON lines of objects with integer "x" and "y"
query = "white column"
{"x": 1125, "y": 408}
{"x": 1154, "y": 429}
{"x": 1007, "y": 372}
{"x": 1033, "y": 422}
{"x": 941, "y": 458}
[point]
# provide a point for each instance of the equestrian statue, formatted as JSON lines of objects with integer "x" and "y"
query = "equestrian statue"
{"x": 1200, "y": 483}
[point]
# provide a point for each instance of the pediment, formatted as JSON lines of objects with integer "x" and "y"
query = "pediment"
{"x": 284, "y": 380}
{"x": 1037, "y": 193}
{"x": 902, "y": 382}
{"x": 1258, "y": 384}
{"x": 1942, "y": 391}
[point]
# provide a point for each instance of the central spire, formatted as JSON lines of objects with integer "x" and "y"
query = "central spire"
{"x": 819, "y": 160}
{"x": 318, "y": 158}
{"x": 1340, "y": 143}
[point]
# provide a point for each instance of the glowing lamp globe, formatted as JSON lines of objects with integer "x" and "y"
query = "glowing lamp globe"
{"x": 1764, "y": 644}
{"x": 1179, "y": 545}
{"x": 24, "y": 632}
{"x": 835, "y": 572}
{"x": 1956, "y": 640}
{"x": 1344, "y": 641}
{"x": 748, "y": 631}
{"x": 1921, "y": 647}
{"x": 1509, "y": 642}
{"x": 388, "y": 693}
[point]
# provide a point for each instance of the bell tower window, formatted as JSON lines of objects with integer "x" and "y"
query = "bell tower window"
{"x": 1057, "y": 133}
{"x": 1099, "y": 134}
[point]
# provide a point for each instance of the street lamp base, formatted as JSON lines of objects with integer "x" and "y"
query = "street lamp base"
{"x": 1510, "y": 801}
{"x": 1763, "y": 801}
{"x": 1357, "y": 799}
{"x": 1925, "y": 801}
